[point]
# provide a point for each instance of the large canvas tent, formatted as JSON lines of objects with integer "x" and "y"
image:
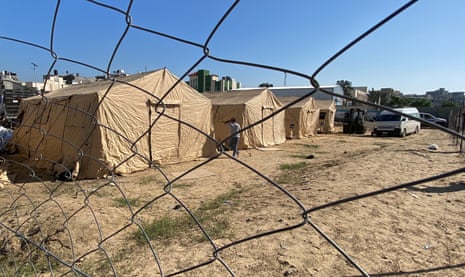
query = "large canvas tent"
{"x": 327, "y": 115}
{"x": 301, "y": 118}
{"x": 119, "y": 126}
{"x": 248, "y": 107}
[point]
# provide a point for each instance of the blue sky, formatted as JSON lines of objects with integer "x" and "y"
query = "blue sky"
{"x": 421, "y": 49}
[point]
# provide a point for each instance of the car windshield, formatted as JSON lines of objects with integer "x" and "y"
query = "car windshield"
{"x": 388, "y": 117}
{"x": 427, "y": 116}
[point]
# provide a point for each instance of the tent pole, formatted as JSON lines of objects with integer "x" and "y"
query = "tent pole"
{"x": 261, "y": 124}
{"x": 149, "y": 105}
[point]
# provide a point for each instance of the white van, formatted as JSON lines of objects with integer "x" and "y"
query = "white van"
{"x": 389, "y": 123}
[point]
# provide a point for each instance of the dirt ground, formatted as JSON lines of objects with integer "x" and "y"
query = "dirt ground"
{"x": 274, "y": 212}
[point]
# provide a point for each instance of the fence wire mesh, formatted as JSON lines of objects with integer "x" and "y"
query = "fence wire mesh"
{"x": 157, "y": 223}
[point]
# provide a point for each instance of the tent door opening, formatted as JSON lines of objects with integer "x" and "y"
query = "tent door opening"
{"x": 268, "y": 135}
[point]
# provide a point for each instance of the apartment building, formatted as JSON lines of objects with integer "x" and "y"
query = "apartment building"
{"x": 203, "y": 81}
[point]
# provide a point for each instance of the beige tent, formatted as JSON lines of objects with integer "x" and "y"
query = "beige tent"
{"x": 302, "y": 118}
{"x": 249, "y": 107}
{"x": 327, "y": 115}
{"x": 105, "y": 125}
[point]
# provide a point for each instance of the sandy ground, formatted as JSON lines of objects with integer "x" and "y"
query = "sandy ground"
{"x": 274, "y": 212}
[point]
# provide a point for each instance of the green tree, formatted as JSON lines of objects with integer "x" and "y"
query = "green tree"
{"x": 421, "y": 102}
{"x": 400, "y": 101}
{"x": 346, "y": 88}
{"x": 374, "y": 96}
{"x": 448, "y": 103}
{"x": 265, "y": 85}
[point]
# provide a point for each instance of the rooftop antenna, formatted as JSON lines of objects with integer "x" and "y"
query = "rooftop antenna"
{"x": 34, "y": 66}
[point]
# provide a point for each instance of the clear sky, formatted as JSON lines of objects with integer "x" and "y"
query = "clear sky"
{"x": 421, "y": 49}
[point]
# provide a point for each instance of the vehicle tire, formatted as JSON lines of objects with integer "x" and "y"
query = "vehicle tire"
{"x": 444, "y": 124}
{"x": 403, "y": 133}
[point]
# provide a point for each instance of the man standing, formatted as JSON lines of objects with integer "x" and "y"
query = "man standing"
{"x": 234, "y": 131}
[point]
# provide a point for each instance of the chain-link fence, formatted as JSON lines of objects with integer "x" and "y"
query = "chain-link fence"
{"x": 158, "y": 223}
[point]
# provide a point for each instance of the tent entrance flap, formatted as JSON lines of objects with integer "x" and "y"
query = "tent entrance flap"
{"x": 164, "y": 134}
{"x": 267, "y": 127}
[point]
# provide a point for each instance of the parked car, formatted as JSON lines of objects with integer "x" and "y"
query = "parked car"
{"x": 389, "y": 123}
{"x": 433, "y": 119}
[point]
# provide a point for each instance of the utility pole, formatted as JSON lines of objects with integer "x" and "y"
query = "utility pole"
{"x": 34, "y": 66}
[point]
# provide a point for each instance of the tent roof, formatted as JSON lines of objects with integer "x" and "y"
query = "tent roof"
{"x": 234, "y": 96}
{"x": 288, "y": 99}
{"x": 328, "y": 104}
{"x": 100, "y": 85}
